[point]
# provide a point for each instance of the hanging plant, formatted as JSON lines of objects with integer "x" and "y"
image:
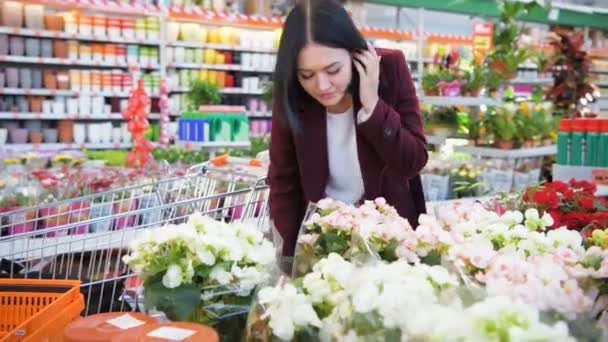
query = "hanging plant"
{"x": 571, "y": 66}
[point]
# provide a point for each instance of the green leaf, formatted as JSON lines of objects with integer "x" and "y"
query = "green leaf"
{"x": 389, "y": 253}
{"x": 368, "y": 323}
{"x": 178, "y": 304}
{"x": 599, "y": 206}
{"x": 333, "y": 242}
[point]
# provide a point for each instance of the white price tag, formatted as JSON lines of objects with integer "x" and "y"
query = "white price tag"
{"x": 125, "y": 322}
{"x": 170, "y": 333}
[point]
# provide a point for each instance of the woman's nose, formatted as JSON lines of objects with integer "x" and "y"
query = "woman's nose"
{"x": 323, "y": 83}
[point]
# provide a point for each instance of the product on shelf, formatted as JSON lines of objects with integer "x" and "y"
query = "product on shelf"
{"x": 214, "y": 123}
{"x": 583, "y": 142}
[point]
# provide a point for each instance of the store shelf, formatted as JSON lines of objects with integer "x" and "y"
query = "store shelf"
{"x": 491, "y": 152}
{"x": 530, "y": 80}
{"x": 135, "y": 8}
{"x": 237, "y": 91}
{"x": 225, "y": 67}
{"x": 59, "y": 147}
{"x": 213, "y": 145}
{"x": 260, "y": 115}
{"x": 59, "y": 92}
{"x": 458, "y": 100}
{"x": 78, "y": 116}
{"x": 195, "y": 45}
{"x": 71, "y": 62}
{"x": 73, "y": 36}
{"x": 435, "y": 140}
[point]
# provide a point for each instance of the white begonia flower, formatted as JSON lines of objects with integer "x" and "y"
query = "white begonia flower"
{"x": 512, "y": 218}
{"x": 205, "y": 257}
{"x": 316, "y": 287}
{"x": 287, "y": 310}
{"x": 263, "y": 254}
{"x": 220, "y": 275}
{"x": 173, "y": 277}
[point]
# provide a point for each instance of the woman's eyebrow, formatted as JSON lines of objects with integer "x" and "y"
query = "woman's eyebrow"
{"x": 324, "y": 68}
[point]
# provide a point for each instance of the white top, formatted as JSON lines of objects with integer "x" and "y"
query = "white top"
{"x": 345, "y": 181}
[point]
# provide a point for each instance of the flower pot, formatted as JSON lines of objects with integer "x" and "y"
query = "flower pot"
{"x": 505, "y": 144}
{"x": 99, "y": 210}
{"x": 22, "y": 105}
{"x": 50, "y": 135}
{"x": 94, "y": 133}
{"x": 121, "y": 207}
{"x": 528, "y": 144}
{"x": 46, "y": 47}
{"x": 80, "y": 133}
{"x": 106, "y": 132}
{"x": 18, "y": 135}
{"x": 547, "y": 142}
{"x": 36, "y": 78}
{"x": 79, "y": 212}
{"x": 35, "y": 103}
{"x": 53, "y": 22}
{"x": 36, "y": 137}
{"x": 20, "y": 222}
{"x": 25, "y": 78}
{"x": 54, "y": 216}
{"x": 33, "y": 126}
{"x": 3, "y": 136}
{"x": 116, "y": 135}
{"x": 60, "y": 48}
{"x": 12, "y": 77}
{"x": 34, "y": 17}
{"x": 32, "y": 47}
{"x": 49, "y": 79}
{"x": 63, "y": 80}
{"x": 66, "y": 131}
{"x": 450, "y": 88}
{"x": 3, "y": 44}
{"x": 17, "y": 46}
{"x": 12, "y": 13}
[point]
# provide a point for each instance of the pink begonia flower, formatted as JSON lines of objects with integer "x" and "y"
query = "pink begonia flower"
{"x": 565, "y": 255}
{"x": 477, "y": 252}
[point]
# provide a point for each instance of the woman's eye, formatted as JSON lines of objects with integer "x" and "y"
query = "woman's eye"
{"x": 333, "y": 71}
{"x": 306, "y": 76}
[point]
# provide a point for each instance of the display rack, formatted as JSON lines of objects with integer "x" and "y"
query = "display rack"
{"x": 59, "y": 147}
{"x": 490, "y": 152}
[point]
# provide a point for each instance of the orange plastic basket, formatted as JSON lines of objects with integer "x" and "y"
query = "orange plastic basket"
{"x": 38, "y": 310}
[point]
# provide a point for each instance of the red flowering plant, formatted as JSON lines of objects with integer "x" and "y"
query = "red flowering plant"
{"x": 573, "y": 204}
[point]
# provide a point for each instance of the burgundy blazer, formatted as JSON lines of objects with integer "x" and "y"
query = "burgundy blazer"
{"x": 391, "y": 148}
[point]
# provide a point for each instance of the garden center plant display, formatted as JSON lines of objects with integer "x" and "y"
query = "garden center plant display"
{"x": 203, "y": 270}
{"x": 505, "y": 277}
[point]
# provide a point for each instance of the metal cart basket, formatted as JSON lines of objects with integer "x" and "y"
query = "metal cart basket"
{"x": 85, "y": 238}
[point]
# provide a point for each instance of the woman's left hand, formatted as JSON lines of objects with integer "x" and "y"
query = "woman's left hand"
{"x": 367, "y": 63}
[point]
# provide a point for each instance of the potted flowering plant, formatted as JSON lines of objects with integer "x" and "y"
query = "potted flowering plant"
{"x": 342, "y": 301}
{"x": 571, "y": 204}
{"x": 18, "y": 219}
{"x": 501, "y": 125}
{"x": 374, "y": 228}
{"x": 203, "y": 271}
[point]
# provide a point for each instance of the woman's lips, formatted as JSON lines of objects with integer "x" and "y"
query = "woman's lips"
{"x": 328, "y": 96}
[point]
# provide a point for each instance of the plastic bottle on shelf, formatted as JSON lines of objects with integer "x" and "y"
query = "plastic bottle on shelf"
{"x": 120, "y": 51}
{"x": 70, "y": 23}
{"x": 114, "y": 28}
{"x": 132, "y": 54}
{"x": 592, "y": 142}
{"x": 99, "y": 25}
{"x": 127, "y": 26}
{"x": 75, "y": 79}
{"x": 579, "y": 135}
{"x": 85, "y": 25}
{"x": 109, "y": 53}
{"x": 603, "y": 144}
{"x": 140, "y": 28}
{"x": 73, "y": 50}
{"x": 98, "y": 52}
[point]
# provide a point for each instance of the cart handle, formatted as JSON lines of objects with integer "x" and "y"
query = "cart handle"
{"x": 225, "y": 159}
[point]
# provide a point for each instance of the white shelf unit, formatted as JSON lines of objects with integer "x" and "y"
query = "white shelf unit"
{"x": 236, "y": 91}
{"x": 75, "y": 116}
{"x": 73, "y": 36}
{"x": 58, "y": 147}
{"x": 532, "y": 81}
{"x": 491, "y": 152}
{"x": 75, "y": 62}
{"x": 222, "y": 67}
{"x": 196, "y": 45}
{"x": 213, "y": 146}
{"x": 459, "y": 100}
{"x": 64, "y": 92}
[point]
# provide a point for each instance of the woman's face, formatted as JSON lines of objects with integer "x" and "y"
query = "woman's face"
{"x": 325, "y": 73}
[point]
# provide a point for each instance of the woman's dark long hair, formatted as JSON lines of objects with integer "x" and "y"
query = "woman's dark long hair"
{"x": 324, "y": 22}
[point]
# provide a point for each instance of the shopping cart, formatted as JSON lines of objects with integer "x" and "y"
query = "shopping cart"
{"x": 85, "y": 238}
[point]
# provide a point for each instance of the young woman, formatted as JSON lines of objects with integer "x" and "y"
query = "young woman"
{"x": 345, "y": 121}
